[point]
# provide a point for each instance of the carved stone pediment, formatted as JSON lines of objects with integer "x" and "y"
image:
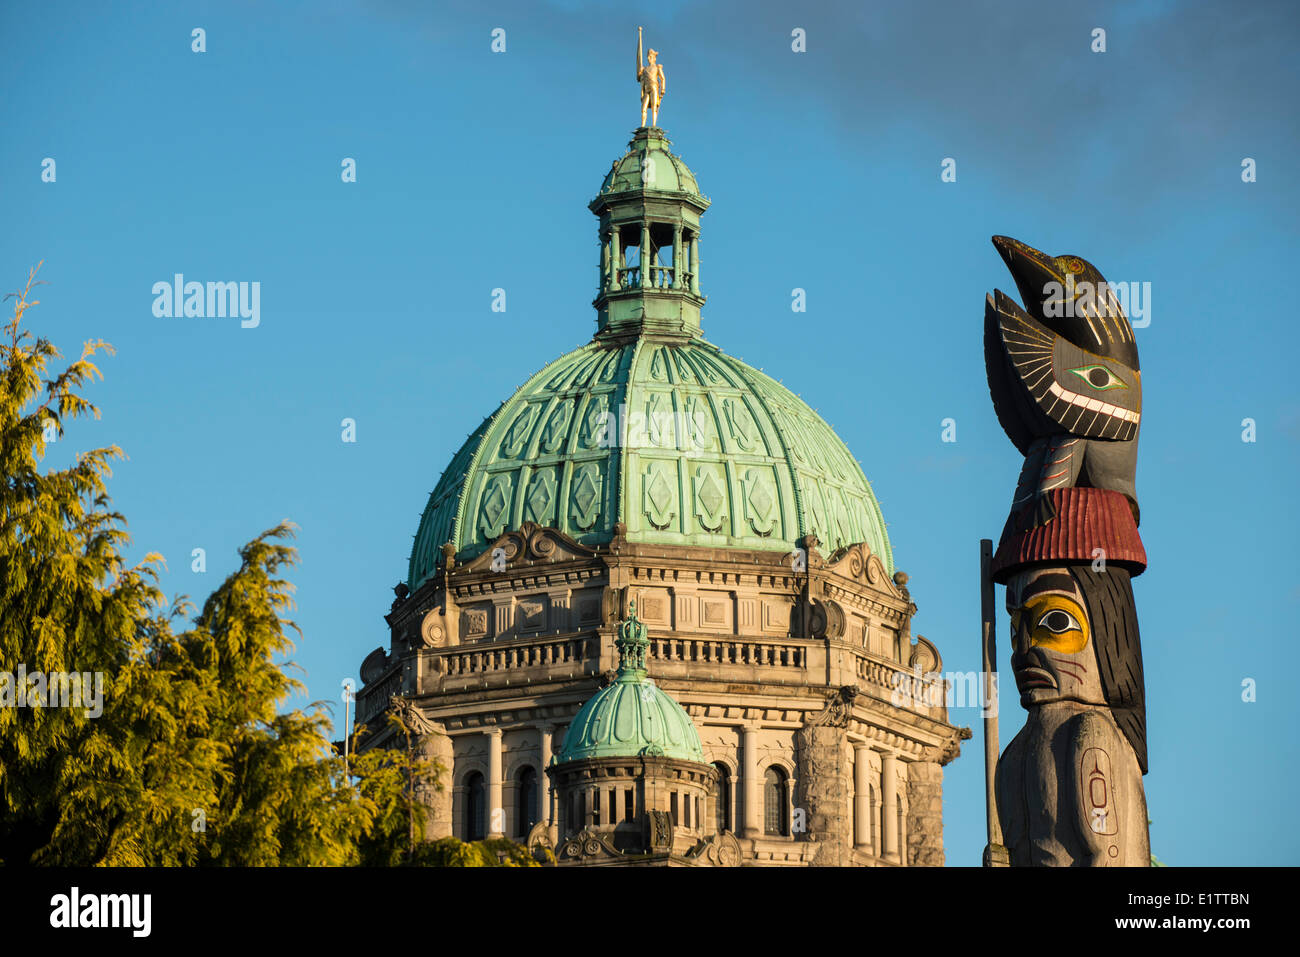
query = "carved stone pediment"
{"x": 585, "y": 846}
{"x": 859, "y": 563}
{"x": 374, "y": 666}
{"x": 529, "y": 543}
{"x": 718, "y": 850}
{"x": 925, "y": 656}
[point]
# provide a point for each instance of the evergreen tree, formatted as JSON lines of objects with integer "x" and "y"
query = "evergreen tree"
{"x": 192, "y": 760}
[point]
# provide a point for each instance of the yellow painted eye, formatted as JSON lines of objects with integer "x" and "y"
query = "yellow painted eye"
{"x": 1059, "y": 624}
{"x": 1058, "y": 621}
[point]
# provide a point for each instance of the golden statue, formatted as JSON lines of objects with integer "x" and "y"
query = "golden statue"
{"x": 651, "y": 78}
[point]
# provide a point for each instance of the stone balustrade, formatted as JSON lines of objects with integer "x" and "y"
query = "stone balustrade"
{"x": 373, "y": 699}
{"x": 733, "y": 657}
{"x": 917, "y": 694}
{"x": 537, "y": 658}
{"x": 754, "y": 652}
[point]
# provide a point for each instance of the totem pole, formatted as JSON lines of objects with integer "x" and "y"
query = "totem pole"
{"x": 1063, "y": 373}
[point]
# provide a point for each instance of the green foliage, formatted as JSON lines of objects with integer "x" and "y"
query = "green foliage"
{"x": 390, "y": 783}
{"x": 192, "y": 760}
{"x": 451, "y": 852}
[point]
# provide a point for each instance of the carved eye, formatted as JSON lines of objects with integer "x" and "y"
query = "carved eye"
{"x": 1058, "y": 621}
{"x": 1100, "y": 378}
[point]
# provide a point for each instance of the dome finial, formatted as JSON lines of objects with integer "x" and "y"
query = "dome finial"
{"x": 653, "y": 84}
{"x": 632, "y": 644}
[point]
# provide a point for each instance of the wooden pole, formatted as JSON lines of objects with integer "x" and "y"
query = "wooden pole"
{"x": 989, "y": 659}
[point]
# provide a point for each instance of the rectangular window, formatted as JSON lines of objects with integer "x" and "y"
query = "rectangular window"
{"x": 629, "y": 808}
{"x": 686, "y": 809}
{"x": 595, "y": 806}
{"x": 672, "y": 807}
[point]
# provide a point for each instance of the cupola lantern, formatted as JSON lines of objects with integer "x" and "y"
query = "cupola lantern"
{"x": 649, "y": 207}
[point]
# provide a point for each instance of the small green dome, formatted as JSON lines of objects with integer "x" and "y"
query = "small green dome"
{"x": 629, "y": 717}
{"x": 632, "y": 716}
{"x": 649, "y": 165}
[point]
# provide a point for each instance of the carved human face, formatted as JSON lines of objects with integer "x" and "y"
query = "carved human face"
{"x": 1052, "y": 649}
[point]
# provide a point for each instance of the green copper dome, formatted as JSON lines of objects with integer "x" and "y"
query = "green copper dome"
{"x": 631, "y": 716}
{"x": 681, "y": 442}
{"x": 649, "y": 424}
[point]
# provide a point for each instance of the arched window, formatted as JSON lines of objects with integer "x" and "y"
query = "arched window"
{"x": 775, "y": 819}
{"x": 475, "y": 805}
{"x": 722, "y": 798}
{"x": 525, "y": 801}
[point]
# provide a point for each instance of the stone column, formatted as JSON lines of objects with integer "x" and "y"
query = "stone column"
{"x": 677, "y": 256}
{"x": 889, "y": 809}
{"x": 616, "y": 256}
{"x": 791, "y": 803}
{"x": 732, "y": 820}
{"x": 645, "y": 255}
{"x": 496, "y": 813}
{"x": 901, "y": 790}
{"x": 436, "y": 745}
{"x": 695, "y": 263}
{"x": 861, "y": 797}
{"x": 545, "y": 799}
{"x": 925, "y": 814}
{"x": 749, "y": 778}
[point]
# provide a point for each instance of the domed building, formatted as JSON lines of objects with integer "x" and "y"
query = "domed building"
{"x": 648, "y": 469}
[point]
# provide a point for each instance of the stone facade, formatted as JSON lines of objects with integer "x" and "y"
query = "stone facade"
{"x": 790, "y": 677}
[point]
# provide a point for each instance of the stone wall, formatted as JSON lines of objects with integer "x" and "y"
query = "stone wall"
{"x": 925, "y": 814}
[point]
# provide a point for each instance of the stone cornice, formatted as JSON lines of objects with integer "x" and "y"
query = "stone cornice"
{"x": 496, "y": 584}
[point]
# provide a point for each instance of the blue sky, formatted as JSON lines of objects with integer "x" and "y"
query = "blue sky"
{"x": 473, "y": 172}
